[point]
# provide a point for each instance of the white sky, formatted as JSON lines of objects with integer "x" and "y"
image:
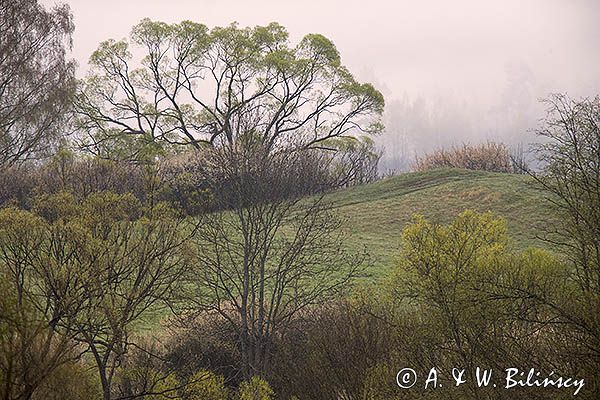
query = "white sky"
{"x": 474, "y": 55}
{"x": 460, "y": 47}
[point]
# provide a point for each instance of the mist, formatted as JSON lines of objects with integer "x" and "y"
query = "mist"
{"x": 456, "y": 72}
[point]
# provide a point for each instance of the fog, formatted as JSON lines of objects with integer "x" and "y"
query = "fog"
{"x": 451, "y": 72}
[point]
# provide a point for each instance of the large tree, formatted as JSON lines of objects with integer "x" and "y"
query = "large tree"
{"x": 570, "y": 156}
{"x": 78, "y": 275}
{"x": 272, "y": 255}
{"x": 36, "y": 78}
{"x": 197, "y": 86}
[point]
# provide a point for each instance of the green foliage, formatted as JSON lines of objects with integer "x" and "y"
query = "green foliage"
{"x": 377, "y": 385}
{"x": 257, "y": 76}
{"x": 206, "y": 385}
{"x": 71, "y": 381}
{"x": 110, "y": 51}
{"x": 441, "y": 256}
{"x": 465, "y": 261}
{"x": 31, "y": 349}
{"x": 377, "y": 213}
{"x": 477, "y": 298}
{"x": 86, "y": 269}
{"x": 322, "y": 49}
{"x": 52, "y": 207}
{"x": 255, "y": 389}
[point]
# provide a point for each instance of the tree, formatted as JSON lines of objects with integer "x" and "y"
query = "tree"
{"x": 36, "y": 79}
{"x": 271, "y": 254}
{"x": 208, "y": 87}
{"x": 82, "y": 273}
{"x": 354, "y": 163}
{"x": 140, "y": 253}
{"x": 38, "y": 262}
{"x": 478, "y": 301}
{"x": 570, "y": 155}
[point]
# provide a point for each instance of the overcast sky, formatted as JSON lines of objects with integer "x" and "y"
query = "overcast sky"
{"x": 468, "y": 51}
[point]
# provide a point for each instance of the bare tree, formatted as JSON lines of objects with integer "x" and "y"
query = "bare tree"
{"x": 271, "y": 255}
{"x": 355, "y": 162}
{"x": 36, "y": 79}
{"x": 570, "y": 155}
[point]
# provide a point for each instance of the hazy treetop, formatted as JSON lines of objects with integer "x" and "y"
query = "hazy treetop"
{"x": 451, "y": 72}
{"x": 419, "y": 48}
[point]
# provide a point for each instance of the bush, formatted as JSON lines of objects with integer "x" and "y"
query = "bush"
{"x": 459, "y": 297}
{"x": 479, "y": 301}
{"x": 79, "y": 177}
{"x": 255, "y": 389}
{"x": 331, "y": 351}
{"x": 70, "y": 381}
{"x": 202, "y": 342}
{"x": 490, "y": 156}
{"x": 206, "y": 385}
{"x": 142, "y": 373}
{"x": 210, "y": 179}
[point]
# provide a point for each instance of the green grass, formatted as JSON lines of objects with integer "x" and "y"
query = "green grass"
{"x": 377, "y": 213}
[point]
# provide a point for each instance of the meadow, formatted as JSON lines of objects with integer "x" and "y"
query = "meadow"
{"x": 377, "y": 213}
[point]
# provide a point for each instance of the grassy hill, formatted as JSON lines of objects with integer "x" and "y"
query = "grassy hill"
{"x": 378, "y": 212}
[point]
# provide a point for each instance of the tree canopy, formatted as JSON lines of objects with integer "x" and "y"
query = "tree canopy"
{"x": 199, "y": 86}
{"x": 36, "y": 78}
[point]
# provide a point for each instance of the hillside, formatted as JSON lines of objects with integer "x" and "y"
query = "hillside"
{"x": 378, "y": 212}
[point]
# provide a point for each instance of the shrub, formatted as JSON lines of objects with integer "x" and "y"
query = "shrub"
{"x": 70, "y": 381}
{"x": 479, "y": 300}
{"x": 142, "y": 373}
{"x": 331, "y": 351}
{"x": 202, "y": 342}
{"x": 206, "y": 385}
{"x": 79, "y": 177}
{"x": 490, "y": 156}
{"x": 255, "y": 389}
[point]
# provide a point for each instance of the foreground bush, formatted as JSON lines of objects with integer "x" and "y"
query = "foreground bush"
{"x": 255, "y": 389}
{"x": 71, "y": 381}
{"x": 79, "y": 275}
{"x": 460, "y": 297}
{"x": 206, "y": 385}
